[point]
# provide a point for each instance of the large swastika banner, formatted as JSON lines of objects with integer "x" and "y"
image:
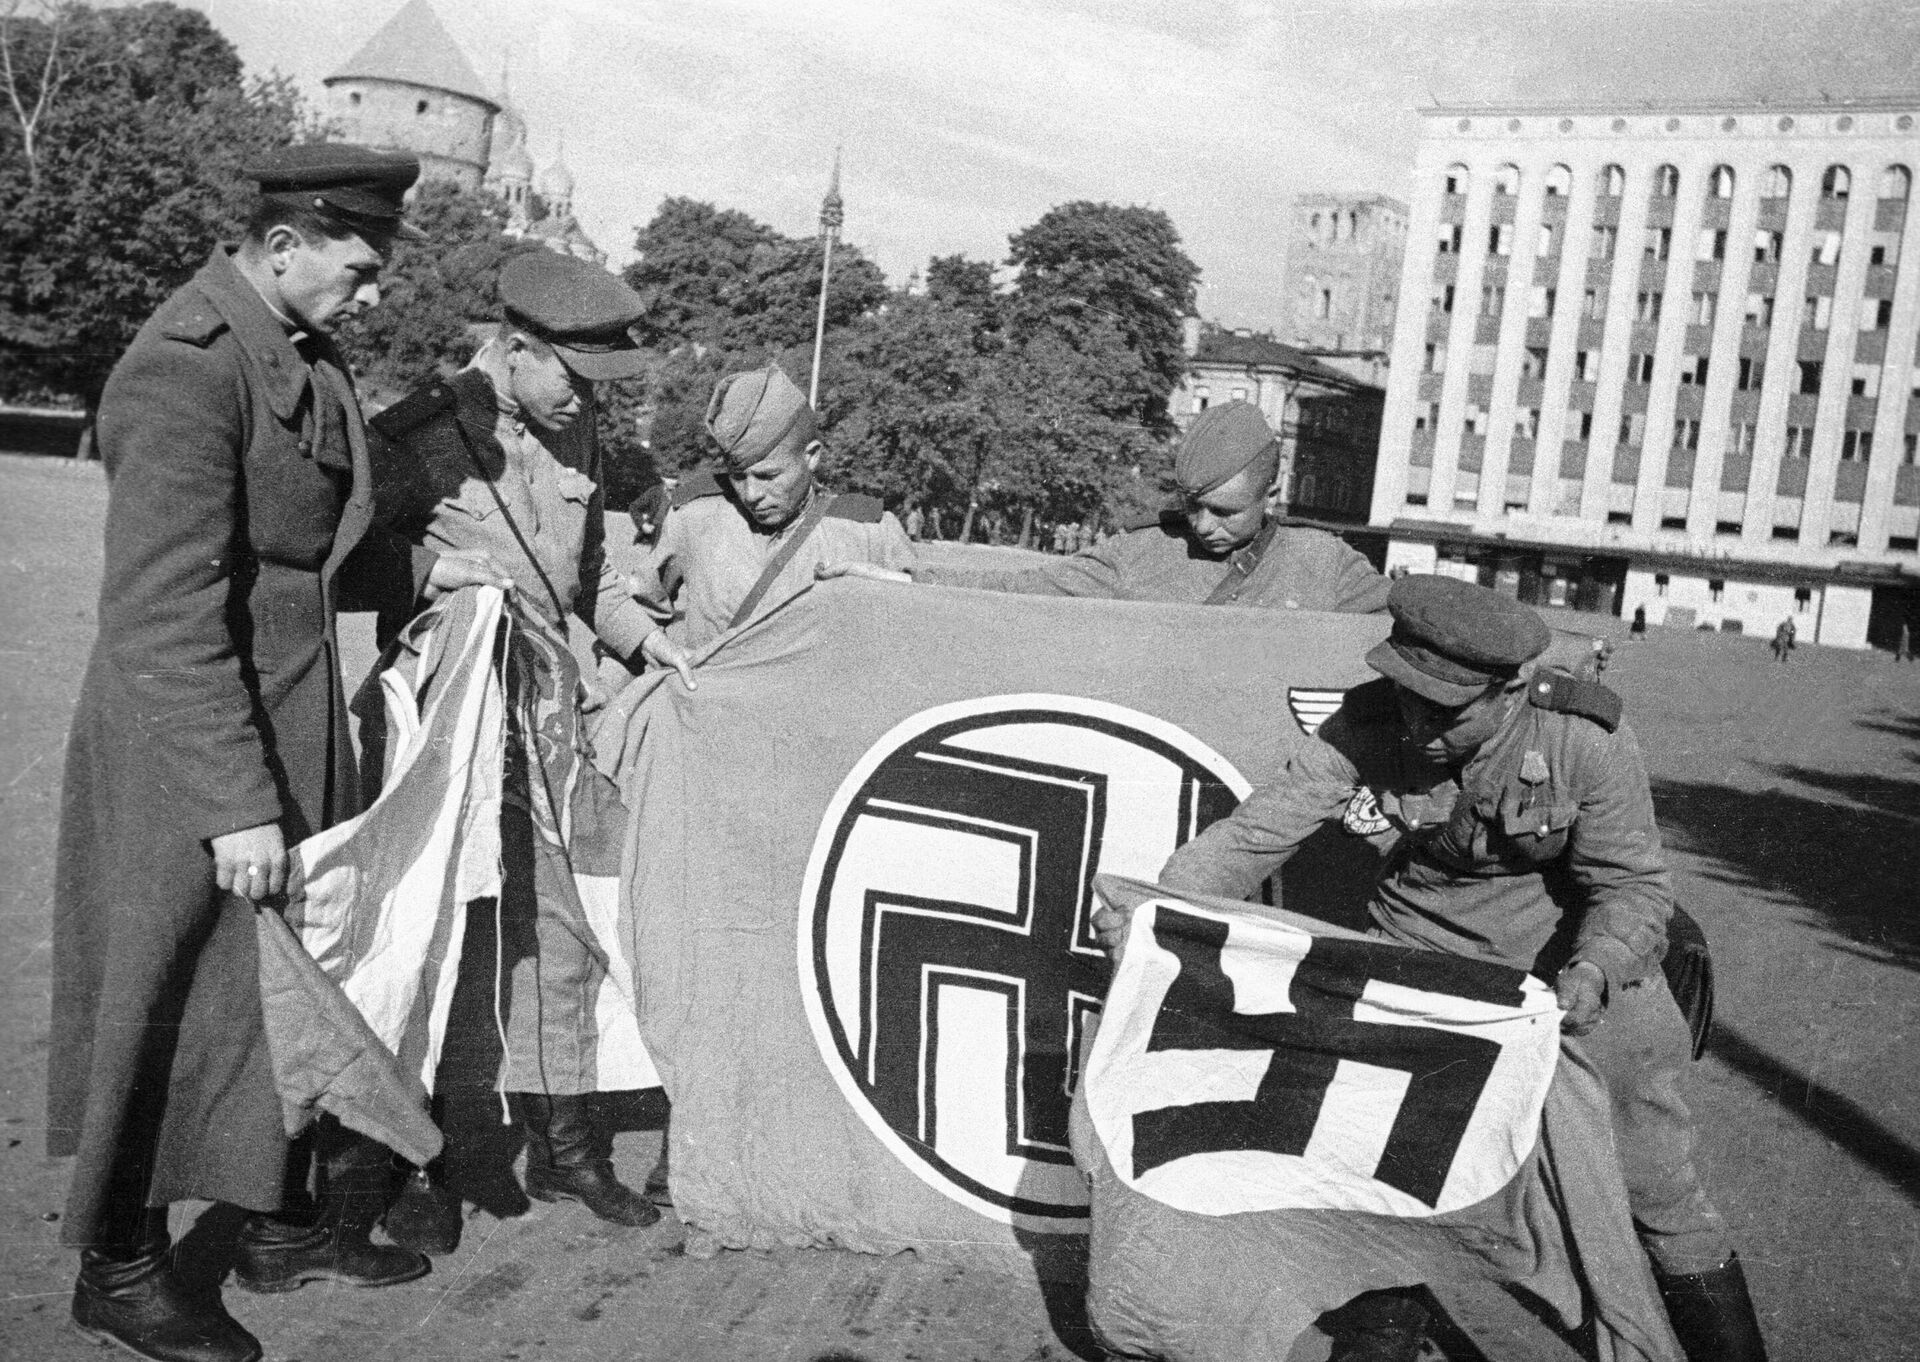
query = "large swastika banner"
{"x": 859, "y": 882}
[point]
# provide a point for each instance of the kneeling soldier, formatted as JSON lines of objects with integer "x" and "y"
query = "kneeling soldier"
{"x": 1519, "y": 828}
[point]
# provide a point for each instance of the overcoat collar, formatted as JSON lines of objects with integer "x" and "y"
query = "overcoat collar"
{"x": 260, "y": 333}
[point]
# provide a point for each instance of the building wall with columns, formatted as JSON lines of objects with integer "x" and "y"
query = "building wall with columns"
{"x": 1685, "y": 333}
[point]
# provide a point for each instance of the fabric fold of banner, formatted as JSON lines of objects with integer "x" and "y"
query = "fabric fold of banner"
{"x": 1278, "y": 1115}
{"x": 357, "y": 1015}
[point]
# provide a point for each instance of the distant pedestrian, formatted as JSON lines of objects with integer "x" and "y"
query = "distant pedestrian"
{"x": 1903, "y": 651}
{"x": 1638, "y": 629}
{"x": 916, "y": 522}
{"x": 1783, "y": 640}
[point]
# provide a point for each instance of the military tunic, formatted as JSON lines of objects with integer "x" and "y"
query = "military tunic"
{"x": 238, "y": 520}
{"x": 1541, "y": 851}
{"x": 462, "y": 471}
{"x": 1286, "y": 567}
{"x": 711, "y": 553}
{"x": 463, "y": 462}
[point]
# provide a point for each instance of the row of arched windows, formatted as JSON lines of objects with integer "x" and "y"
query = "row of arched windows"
{"x": 1331, "y": 226}
{"x": 1896, "y": 181}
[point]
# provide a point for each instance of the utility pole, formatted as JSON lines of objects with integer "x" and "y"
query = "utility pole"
{"x": 832, "y": 214}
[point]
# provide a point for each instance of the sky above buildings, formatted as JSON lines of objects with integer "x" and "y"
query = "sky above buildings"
{"x": 963, "y": 122}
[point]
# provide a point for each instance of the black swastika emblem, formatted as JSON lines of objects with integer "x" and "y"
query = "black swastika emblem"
{"x": 1447, "y": 1071}
{"x": 958, "y": 886}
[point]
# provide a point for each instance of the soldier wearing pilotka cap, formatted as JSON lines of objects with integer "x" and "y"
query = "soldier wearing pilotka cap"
{"x": 1222, "y": 544}
{"x": 1513, "y": 812}
{"x": 740, "y": 541}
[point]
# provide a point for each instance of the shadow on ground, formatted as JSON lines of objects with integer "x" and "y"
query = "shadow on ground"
{"x": 1838, "y": 845}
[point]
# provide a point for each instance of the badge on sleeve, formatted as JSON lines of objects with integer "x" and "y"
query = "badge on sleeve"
{"x": 1363, "y": 817}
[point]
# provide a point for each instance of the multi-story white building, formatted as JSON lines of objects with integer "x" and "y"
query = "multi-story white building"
{"x": 1664, "y": 357}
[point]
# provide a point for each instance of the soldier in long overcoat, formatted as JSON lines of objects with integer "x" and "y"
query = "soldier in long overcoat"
{"x": 211, "y": 736}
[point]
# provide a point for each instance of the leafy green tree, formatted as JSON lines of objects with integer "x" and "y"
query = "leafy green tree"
{"x": 967, "y": 285}
{"x": 1083, "y": 265}
{"x": 689, "y": 261}
{"x": 119, "y": 178}
{"x": 715, "y": 278}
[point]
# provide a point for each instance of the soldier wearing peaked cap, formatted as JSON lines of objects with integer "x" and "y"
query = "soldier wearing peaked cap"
{"x": 1517, "y": 825}
{"x": 209, "y": 738}
{"x": 1222, "y": 544}
{"x": 739, "y": 543}
{"x": 501, "y": 460}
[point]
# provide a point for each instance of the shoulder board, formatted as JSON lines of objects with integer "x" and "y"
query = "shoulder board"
{"x": 857, "y": 506}
{"x": 1565, "y": 693}
{"x": 1371, "y": 701}
{"x": 197, "y": 324}
{"x": 694, "y": 486}
{"x": 1150, "y": 520}
{"x": 413, "y": 411}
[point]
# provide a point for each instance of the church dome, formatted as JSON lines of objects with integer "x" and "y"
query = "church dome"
{"x": 556, "y": 183}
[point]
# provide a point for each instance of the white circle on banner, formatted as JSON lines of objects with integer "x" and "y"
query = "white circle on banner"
{"x": 946, "y": 953}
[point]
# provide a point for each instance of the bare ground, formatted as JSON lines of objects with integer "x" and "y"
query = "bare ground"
{"x": 1788, "y": 794}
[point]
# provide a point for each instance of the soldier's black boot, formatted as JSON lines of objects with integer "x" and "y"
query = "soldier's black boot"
{"x": 570, "y": 1158}
{"x": 274, "y": 1254}
{"x": 127, "y": 1294}
{"x": 1712, "y": 1314}
{"x": 425, "y": 1216}
{"x": 1381, "y": 1326}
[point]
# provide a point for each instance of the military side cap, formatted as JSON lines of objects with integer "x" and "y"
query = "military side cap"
{"x": 751, "y": 413}
{"x": 1451, "y": 639}
{"x": 1221, "y": 442}
{"x": 364, "y": 188}
{"x": 582, "y": 311}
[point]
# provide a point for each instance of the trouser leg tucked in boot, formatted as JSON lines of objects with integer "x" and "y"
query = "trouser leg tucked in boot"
{"x": 1381, "y": 1326}
{"x": 128, "y": 1294}
{"x": 570, "y": 1157}
{"x": 281, "y": 1253}
{"x": 1712, "y": 1314}
{"x": 425, "y": 1216}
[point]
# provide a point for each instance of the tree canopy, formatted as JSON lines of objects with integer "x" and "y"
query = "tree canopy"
{"x": 1043, "y": 400}
{"x": 1084, "y": 265}
{"x": 432, "y": 292}
{"x": 118, "y": 180}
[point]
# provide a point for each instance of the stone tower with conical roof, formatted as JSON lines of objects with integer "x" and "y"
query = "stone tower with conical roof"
{"x": 413, "y": 89}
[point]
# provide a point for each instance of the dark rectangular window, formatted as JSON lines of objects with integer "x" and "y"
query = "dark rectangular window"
{"x": 1751, "y": 372}
{"x": 1809, "y": 375}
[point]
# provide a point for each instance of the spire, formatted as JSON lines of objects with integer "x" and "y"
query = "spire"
{"x": 832, "y": 211}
